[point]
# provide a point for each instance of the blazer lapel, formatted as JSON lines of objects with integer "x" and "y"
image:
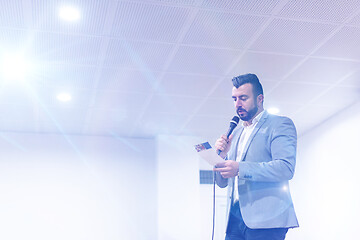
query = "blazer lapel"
{"x": 254, "y": 132}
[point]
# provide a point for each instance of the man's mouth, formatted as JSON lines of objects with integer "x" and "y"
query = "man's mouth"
{"x": 241, "y": 111}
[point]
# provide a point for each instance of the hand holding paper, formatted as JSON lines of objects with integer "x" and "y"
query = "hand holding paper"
{"x": 207, "y": 153}
{"x": 227, "y": 169}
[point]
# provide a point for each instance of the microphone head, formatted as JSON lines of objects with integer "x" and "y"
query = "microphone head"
{"x": 235, "y": 120}
{"x": 233, "y": 123}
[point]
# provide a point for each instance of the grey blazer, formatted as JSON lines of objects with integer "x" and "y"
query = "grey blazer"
{"x": 266, "y": 166}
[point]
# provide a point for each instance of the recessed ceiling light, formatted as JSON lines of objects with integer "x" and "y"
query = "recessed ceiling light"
{"x": 64, "y": 97}
{"x": 273, "y": 110}
{"x": 69, "y": 13}
{"x": 14, "y": 67}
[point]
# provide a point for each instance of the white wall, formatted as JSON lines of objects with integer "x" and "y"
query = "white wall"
{"x": 326, "y": 188}
{"x": 185, "y": 206}
{"x": 178, "y": 189}
{"x": 77, "y": 187}
{"x": 80, "y": 187}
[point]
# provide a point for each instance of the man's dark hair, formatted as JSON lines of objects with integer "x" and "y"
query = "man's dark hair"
{"x": 249, "y": 78}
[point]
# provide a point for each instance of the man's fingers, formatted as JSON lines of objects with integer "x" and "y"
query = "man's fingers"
{"x": 223, "y": 137}
{"x": 222, "y": 169}
{"x": 230, "y": 138}
{"x": 219, "y": 169}
{"x": 225, "y": 175}
{"x": 220, "y": 164}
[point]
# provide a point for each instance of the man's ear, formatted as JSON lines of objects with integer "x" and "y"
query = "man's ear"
{"x": 260, "y": 99}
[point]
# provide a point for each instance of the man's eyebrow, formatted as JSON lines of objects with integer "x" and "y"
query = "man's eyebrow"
{"x": 241, "y": 96}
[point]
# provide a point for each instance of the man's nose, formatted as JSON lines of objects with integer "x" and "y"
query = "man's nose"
{"x": 237, "y": 103}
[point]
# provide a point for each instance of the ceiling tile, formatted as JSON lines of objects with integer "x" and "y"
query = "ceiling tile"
{"x": 173, "y": 104}
{"x": 161, "y": 123}
{"x": 66, "y": 49}
{"x": 15, "y": 94}
{"x": 112, "y": 117}
{"x": 293, "y": 37}
{"x": 325, "y": 71}
{"x": 344, "y": 44}
{"x": 176, "y": 2}
{"x": 57, "y": 117}
{"x": 13, "y": 40}
{"x": 285, "y": 109}
{"x": 64, "y": 129}
{"x": 222, "y": 29}
{"x": 27, "y": 125}
{"x": 218, "y": 107}
{"x": 340, "y": 96}
{"x": 186, "y": 85}
{"x": 111, "y": 121}
{"x": 120, "y": 101}
{"x": 264, "y": 7}
{"x": 268, "y": 66}
{"x": 223, "y": 90}
{"x": 202, "y": 60}
{"x": 92, "y": 16}
{"x": 65, "y": 76}
{"x": 355, "y": 20}
{"x": 294, "y": 93}
{"x": 11, "y": 14}
{"x": 16, "y": 113}
{"x": 137, "y": 20}
{"x": 334, "y": 11}
{"x": 125, "y": 80}
{"x": 137, "y": 55}
{"x": 203, "y": 125}
{"x": 352, "y": 81}
{"x": 47, "y": 97}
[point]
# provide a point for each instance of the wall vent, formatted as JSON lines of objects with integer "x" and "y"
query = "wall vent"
{"x": 206, "y": 176}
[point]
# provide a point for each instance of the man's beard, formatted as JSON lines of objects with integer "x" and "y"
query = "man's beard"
{"x": 249, "y": 114}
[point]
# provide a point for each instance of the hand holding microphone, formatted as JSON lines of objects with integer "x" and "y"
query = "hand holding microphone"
{"x": 224, "y": 142}
{"x": 223, "y": 145}
{"x": 228, "y": 168}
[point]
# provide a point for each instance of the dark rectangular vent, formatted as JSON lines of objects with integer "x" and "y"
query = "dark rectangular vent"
{"x": 206, "y": 177}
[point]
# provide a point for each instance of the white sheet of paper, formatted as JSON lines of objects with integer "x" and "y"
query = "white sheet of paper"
{"x": 210, "y": 156}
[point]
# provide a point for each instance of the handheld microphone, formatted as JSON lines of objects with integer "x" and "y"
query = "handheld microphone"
{"x": 233, "y": 123}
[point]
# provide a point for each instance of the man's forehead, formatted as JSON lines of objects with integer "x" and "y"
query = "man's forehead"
{"x": 245, "y": 89}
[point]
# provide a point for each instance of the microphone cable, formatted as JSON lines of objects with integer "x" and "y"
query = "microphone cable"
{"x": 233, "y": 123}
{"x": 213, "y": 222}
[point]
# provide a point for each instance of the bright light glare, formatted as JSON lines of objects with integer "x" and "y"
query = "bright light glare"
{"x": 273, "y": 110}
{"x": 64, "y": 97}
{"x": 14, "y": 67}
{"x": 69, "y": 13}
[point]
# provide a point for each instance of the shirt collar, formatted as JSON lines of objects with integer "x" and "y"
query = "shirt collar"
{"x": 255, "y": 120}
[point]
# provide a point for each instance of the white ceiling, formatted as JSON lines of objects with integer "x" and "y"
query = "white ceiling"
{"x": 142, "y": 68}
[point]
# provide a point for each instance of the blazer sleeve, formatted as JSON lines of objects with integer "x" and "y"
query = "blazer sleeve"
{"x": 280, "y": 166}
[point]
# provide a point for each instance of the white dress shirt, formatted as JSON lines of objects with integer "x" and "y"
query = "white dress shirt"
{"x": 244, "y": 137}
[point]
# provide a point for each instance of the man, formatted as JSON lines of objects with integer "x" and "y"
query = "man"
{"x": 260, "y": 159}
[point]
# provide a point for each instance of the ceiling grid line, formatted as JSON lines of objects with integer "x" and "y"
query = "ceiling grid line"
{"x": 246, "y": 47}
{"x": 335, "y": 31}
{"x": 317, "y": 97}
{"x": 165, "y": 66}
{"x": 28, "y": 18}
{"x": 325, "y": 40}
{"x": 110, "y": 16}
{"x": 168, "y": 61}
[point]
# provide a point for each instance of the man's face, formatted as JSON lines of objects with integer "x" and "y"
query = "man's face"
{"x": 245, "y": 102}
